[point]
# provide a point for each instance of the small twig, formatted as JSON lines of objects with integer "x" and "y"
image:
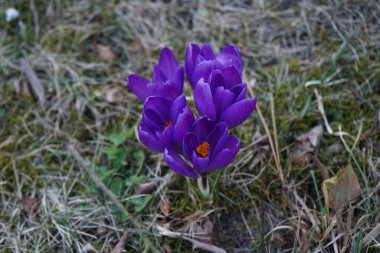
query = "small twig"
{"x": 262, "y": 214}
{"x": 205, "y": 246}
{"x": 275, "y": 137}
{"x": 97, "y": 181}
{"x": 77, "y": 156}
{"x": 271, "y": 144}
{"x": 196, "y": 244}
{"x": 322, "y": 110}
{"x": 270, "y": 139}
{"x": 371, "y": 235}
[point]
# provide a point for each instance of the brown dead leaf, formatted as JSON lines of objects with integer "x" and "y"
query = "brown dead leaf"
{"x": 334, "y": 149}
{"x": 167, "y": 248}
{"x": 305, "y": 239}
{"x": 260, "y": 148}
{"x": 30, "y": 208}
{"x": 136, "y": 44}
{"x": 112, "y": 94}
{"x": 306, "y": 146}
{"x": 179, "y": 214}
{"x": 101, "y": 231}
{"x": 258, "y": 158}
{"x": 322, "y": 168}
{"x": 121, "y": 244}
{"x": 341, "y": 189}
{"x": 22, "y": 89}
{"x": 105, "y": 52}
{"x": 261, "y": 154}
{"x": 34, "y": 82}
{"x": 147, "y": 187}
{"x": 205, "y": 231}
{"x": 165, "y": 207}
{"x": 208, "y": 227}
{"x": 314, "y": 136}
{"x": 197, "y": 215}
{"x": 278, "y": 240}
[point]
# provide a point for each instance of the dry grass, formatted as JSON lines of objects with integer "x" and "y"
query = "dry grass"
{"x": 264, "y": 202}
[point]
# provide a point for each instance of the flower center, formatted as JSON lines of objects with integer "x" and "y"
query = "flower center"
{"x": 167, "y": 123}
{"x": 203, "y": 149}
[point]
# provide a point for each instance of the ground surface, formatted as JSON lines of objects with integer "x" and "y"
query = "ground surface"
{"x": 309, "y": 64}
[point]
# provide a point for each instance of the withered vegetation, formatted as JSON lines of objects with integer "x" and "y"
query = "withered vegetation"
{"x": 74, "y": 177}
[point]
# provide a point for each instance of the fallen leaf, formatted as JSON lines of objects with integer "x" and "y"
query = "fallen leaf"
{"x": 260, "y": 149}
{"x": 165, "y": 207}
{"x": 322, "y": 168}
{"x": 278, "y": 240}
{"x": 30, "y": 208}
{"x": 22, "y": 89}
{"x": 147, "y": 187}
{"x": 105, "y": 52}
{"x": 204, "y": 231}
{"x": 314, "y": 136}
{"x": 341, "y": 189}
{"x": 34, "y": 82}
{"x": 334, "y": 149}
{"x": 179, "y": 214}
{"x": 112, "y": 94}
{"x": 167, "y": 248}
{"x": 136, "y": 44}
{"x": 119, "y": 248}
{"x": 101, "y": 231}
{"x": 304, "y": 238}
{"x": 306, "y": 146}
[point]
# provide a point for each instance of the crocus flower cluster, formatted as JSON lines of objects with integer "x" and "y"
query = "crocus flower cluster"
{"x": 194, "y": 146}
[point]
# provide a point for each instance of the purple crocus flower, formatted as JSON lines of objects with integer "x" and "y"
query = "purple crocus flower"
{"x": 223, "y": 97}
{"x": 165, "y": 123}
{"x": 200, "y": 62}
{"x": 207, "y": 147}
{"x": 167, "y": 79}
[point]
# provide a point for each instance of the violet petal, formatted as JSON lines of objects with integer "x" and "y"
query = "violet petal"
{"x": 178, "y": 165}
{"x": 236, "y": 113}
{"x": 139, "y": 86}
{"x": 203, "y": 100}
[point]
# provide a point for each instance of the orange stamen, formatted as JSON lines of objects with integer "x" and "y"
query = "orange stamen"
{"x": 203, "y": 149}
{"x": 167, "y": 123}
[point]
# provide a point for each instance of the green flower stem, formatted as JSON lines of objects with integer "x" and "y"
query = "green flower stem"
{"x": 203, "y": 186}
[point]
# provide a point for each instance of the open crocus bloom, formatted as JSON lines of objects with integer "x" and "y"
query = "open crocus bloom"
{"x": 223, "y": 97}
{"x": 200, "y": 62}
{"x": 165, "y": 123}
{"x": 167, "y": 79}
{"x": 207, "y": 146}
